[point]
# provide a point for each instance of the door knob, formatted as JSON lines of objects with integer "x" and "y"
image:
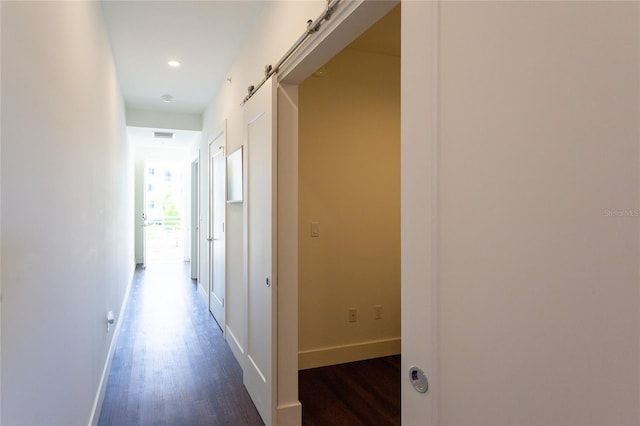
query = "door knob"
{"x": 209, "y": 239}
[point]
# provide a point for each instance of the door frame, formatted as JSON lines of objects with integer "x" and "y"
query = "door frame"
{"x": 348, "y": 21}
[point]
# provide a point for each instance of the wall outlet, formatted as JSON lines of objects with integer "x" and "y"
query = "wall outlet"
{"x": 353, "y": 315}
{"x": 111, "y": 319}
{"x": 377, "y": 312}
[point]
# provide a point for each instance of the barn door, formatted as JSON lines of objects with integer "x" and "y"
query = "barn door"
{"x": 260, "y": 254}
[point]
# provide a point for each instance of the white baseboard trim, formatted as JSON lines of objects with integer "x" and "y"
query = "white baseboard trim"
{"x": 102, "y": 386}
{"x": 322, "y": 357}
{"x": 203, "y": 293}
{"x": 235, "y": 346}
{"x": 289, "y": 415}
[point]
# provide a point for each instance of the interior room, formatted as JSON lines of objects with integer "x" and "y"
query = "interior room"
{"x": 349, "y": 214}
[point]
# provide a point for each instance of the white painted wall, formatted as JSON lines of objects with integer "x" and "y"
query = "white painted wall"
{"x": 67, "y": 190}
{"x": 520, "y": 209}
{"x": 163, "y": 120}
{"x": 349, "y": 182}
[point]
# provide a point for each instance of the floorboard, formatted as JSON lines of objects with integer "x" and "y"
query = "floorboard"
{"x": 172, "y": 365}
{"x": 352, "y": 394}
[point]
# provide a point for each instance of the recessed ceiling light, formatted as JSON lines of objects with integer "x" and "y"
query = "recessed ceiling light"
{"x": 173, "y": 63}
{"x": 321, "y": 72}
{"x": 166, "y": 98}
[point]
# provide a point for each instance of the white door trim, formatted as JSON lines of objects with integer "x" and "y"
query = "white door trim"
{"x": 348, "y": 22}
{"x": 289, "y": 408}
{"x": 419, "y": 211}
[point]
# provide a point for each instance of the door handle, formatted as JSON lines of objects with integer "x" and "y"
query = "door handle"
{"x": 209, "y": 239}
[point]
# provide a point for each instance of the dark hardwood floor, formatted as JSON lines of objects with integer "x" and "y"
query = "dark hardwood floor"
{"x": 171, "y": 364}
{"x": 353, "y": 394}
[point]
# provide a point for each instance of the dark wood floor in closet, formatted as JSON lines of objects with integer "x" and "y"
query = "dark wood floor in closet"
{"x": 353, "y": 394}
{"x": 171, "y": 365}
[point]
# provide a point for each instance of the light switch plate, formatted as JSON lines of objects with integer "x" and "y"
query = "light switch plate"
{"x": 315, "y": 229}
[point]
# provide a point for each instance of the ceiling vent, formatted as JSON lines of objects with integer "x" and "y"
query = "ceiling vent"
{"x": 163, "y": 135}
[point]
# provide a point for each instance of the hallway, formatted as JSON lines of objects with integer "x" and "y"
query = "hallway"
{"x": 171, "y": 365}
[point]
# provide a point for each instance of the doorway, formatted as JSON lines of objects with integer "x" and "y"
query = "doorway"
{"x": 349, "y": 21}
{"x": 172, "y": 162}
{"x": 164, "y": 213}
{"x": 349, "y": 207}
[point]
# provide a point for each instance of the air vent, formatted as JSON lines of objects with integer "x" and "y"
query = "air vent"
{"x": 163, "y": 135}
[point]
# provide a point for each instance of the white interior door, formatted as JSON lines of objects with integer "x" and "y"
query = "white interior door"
{"x": 217, "y": 217}
{"x": 260, "y": 252}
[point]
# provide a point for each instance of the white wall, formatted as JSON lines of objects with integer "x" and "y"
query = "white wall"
{"x": 67, "y": 189}
{"x": 520, "y": 207}
{"x": 163, "y": 120}
{"x": 349, "y": 182}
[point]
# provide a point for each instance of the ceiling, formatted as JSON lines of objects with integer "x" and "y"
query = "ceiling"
{"x": 204, "y": 36}
{"x": 383, "y": 37}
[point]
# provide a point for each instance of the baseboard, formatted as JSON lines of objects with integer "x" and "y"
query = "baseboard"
{"x": 102, "y": 386}
{"x": 235, "y": 346}
{"x": 203, "y": 293}
{"x": 289, "y": 415}
{"x": 348, "y": 353}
